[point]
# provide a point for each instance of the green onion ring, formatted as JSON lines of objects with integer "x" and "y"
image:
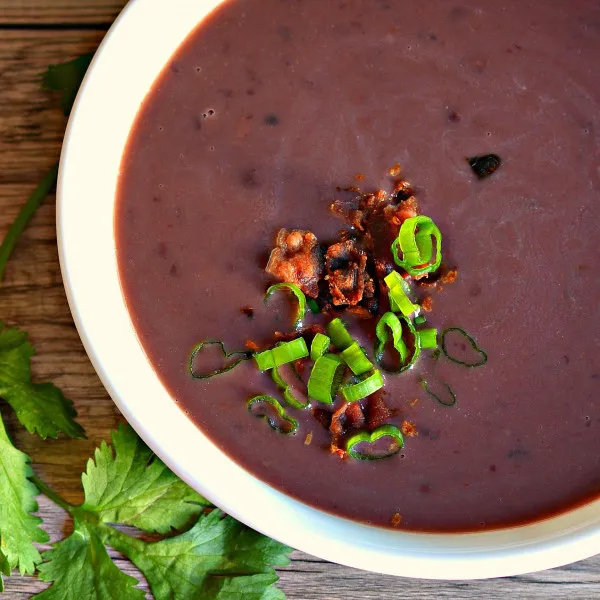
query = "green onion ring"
{"x": 281, "y": 354}
{"x": 354, "y": 356}
{"x": 292, "y": 287}
{"x": 243, "y": 354}
{"x": 280, "y": 411}
{"x": 398, "y": 294}
{"x": 484, "y": 356}
{"x": 420, "y": 320}
{"x": 363, "y": 388}
{"x": 383, "y": 431}
{"x": 325, "y": 378}
{"x": 339, "y": 334}
{"x": 416, "y": 250}
{"x": 319, "y": 346}
{"x": 427, "y": 338}
{"x": 313, "y": 306}
{"x": 394, "y": 323}
{"x": 452, "y": 402}
{"x": 286, "y": 390}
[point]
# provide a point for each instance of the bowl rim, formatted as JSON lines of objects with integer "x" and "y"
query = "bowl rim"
{"x": 134, "y": 51}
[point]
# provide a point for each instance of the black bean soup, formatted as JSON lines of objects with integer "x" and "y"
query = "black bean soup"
{"x": 482, "y": 116}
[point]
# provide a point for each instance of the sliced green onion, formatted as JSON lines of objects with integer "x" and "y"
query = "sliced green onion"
{"x": 313, "y": 306}
{"x": 369, "y": 438}
{"x": 283, "y": 353}
{"x": 399, "y": 294}
{"x": 482, "y": 353}
{"x": 278, "y": 409}
{"x": 286, "y": 390}
{"x": 364, "y": 388}
{"x": 354, "y": 356}
{"x": 319, "y": 346}
{"x": 292, "y": 287}
{"x": 452, "y": 400}
{"x": 242, "y": 354}
{"x": 339, "y": 334}
{"x": 427, "y": 338}
{"x": 325, "y": 378}
{"x": 420, "y": 320}
{"x": 414, "y": 241}
{"x": 394, "y": 324}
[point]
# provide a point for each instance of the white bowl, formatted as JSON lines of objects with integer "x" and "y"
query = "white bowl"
{"x": 133, "y": 53}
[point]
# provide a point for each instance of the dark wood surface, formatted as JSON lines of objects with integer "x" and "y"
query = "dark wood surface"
{"x": 34, "y": 34}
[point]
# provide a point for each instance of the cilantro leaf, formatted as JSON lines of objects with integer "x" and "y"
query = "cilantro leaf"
{"x": 133, "y": 487}
{"x": 217, "y": 558}
{"x": 4, "y": 570}
{"x": 41, "y": 407}
{"x": 18, "y": 527}
{"x": 67, "y": 78}
{"x": 81, "y": 569}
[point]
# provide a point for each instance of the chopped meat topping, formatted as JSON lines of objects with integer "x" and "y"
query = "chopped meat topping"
{"x": 308, "y": 439}
{"x": 396, "y": 520}
{"x": 297, "y": 259}
{"x": 378, "y": 412}
{"x": 409, "y": 429}
{"x": 427, "y": 304}
{"x": 450, "y": 277}
{"x": 346, "y": 267}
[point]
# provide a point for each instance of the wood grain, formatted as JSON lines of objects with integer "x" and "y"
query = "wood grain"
{"x": 59, "y": 12}
{"x": 32, "y": 296}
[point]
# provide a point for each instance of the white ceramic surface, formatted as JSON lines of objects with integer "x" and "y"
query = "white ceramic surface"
{"x": 134, "y": 51}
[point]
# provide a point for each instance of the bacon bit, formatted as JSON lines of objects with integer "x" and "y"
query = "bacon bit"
{"x": 377, "y": 412}
{"x": 337, "y": 425}
{"x": 355, "y": 415}
{"x": 359, "y": 311}
{"x": 409, "y": 429}
{"x": 297, "y": 259}
{"x": 427, "y": 304}
{"x": 396, "y": 520}
{"x": 402, "y": 191}
{"x": 395, "y": 170}
{"x": 450, "y": 277}
{"x": 252, "y": 345}
{"x": 292, "y": 335}
{"x": 248, "y": 311}
{"x": 308, "y": 439}
{"x": 359, "y": 177}
{"x": 322, "y": 417}
{"x": 335, "y": 449}
{"x": 414, "y": 402}
{"x": 346, "y": 266}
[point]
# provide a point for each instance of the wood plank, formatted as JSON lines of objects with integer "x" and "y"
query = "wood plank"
{"x": 52, "y": 12}
{"x": 32, "y": 296}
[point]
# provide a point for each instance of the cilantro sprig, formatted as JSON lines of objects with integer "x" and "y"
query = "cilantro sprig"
{"x": 202, "y": 553}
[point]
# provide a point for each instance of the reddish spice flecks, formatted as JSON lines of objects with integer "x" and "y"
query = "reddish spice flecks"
{"x": 395, "y": 170}
{"x": 248, "y": 311}
{"x": 359, "y": 177}
{"x": 408, "y": 429}
{"x": 378, "y": 412}
{"x": 450, "y": 277}
{"x": 252, "y": 345}
{"x": 308, "y": 439}
{"x": 427, "y": 304}
{"x": 396, "y": 520}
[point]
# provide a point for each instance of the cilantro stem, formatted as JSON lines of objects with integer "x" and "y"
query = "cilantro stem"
{"x": 26, "y": 213}
{"x": 51, "y": 494}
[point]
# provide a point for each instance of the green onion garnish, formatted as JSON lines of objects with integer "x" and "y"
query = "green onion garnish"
{"x": 286, "y": 390}
{"x": 319, "y": 346}
{"x": 283, "y": 353}
{"x": 414, "y": 241}
{"x": 354, "y": 356}
{"x": 270, "y": 420}
{"x": 325, "y": 378}
{"x": 471, "y": 341}
{"x": 364, "y": 388}
{"x": 427, "y": 338}
{"x": 369, "y": 438}
{"x": 243, "y": 355}
{"x": 399, "y": 294}
{"x": 452, "y": 400}
{"x": 394, "y": 324}
{"x": 299, "y": 295}
{"x": 339, "y": 334}
{"x": 313, "y": 306}
{"x": 420, "y": 320}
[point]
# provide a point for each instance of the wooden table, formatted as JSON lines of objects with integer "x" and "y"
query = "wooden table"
{"x": 34, "y": 34}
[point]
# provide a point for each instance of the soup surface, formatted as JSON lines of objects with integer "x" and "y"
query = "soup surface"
{"x": 271, "y": 104}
